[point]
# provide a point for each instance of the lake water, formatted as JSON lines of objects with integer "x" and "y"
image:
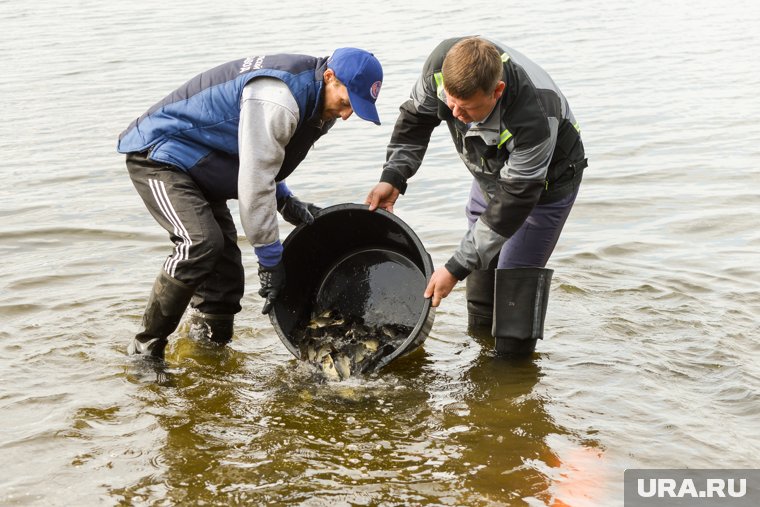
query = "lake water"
{"x": 651, "y": 356}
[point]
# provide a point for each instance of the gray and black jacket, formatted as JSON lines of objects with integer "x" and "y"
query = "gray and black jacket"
{"x": 527, "y": 152}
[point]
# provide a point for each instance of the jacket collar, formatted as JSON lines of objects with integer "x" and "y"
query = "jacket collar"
{"x": 488, "y": 129}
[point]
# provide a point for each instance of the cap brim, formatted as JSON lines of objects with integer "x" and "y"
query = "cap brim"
{"x": 364, "y": 109}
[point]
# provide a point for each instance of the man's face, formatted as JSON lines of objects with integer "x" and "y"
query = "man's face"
{"x": 336, "y": 103}
{"x": 475, "y": 108}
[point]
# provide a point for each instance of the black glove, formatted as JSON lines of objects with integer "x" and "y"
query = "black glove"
{"x": 272, "y": 283}
{"x": 297, "y": 212}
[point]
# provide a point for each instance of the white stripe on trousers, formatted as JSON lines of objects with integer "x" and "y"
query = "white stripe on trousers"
{"x": 181, "y": 250}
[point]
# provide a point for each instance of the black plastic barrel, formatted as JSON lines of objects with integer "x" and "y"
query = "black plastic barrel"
{"x": 366, "y": 265}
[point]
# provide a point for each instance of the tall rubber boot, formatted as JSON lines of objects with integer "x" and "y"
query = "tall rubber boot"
{"x": 480, "y": 286}
{"x": 166, "y": 305}
{"x": 521, "y": 297}
{"x": 213, "y": 327}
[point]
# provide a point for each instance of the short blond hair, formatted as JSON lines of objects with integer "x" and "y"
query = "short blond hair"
{"x": 471, "y": 64}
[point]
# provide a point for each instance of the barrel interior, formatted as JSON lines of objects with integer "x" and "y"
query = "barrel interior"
{"x": 360, "y": 264}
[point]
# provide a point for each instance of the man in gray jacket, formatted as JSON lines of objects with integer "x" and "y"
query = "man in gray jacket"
{"x": 234, "y": 132}
{"x": 514, "y": 131}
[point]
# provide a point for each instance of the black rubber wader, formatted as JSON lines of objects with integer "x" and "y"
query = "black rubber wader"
{"x": 165, "y": 308}
{"x": 516, "y": 321}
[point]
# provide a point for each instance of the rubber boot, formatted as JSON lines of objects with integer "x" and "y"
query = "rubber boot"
{"x": 521, "y": 297}
{"x": 212, "y": 327}
{"x": 480, "y": 286}
{"x": 166, "y": 305}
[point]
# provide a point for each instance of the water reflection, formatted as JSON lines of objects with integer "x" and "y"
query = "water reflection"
{"x": 516, "y": 448}
{"x": 194, "y": 407}
{"x": 506, "y": 441}
{"x": 240, "y": 430}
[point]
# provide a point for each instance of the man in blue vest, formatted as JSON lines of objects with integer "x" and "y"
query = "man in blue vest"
{"x": 234, "y": 132}
{"x": 514, "y": 130}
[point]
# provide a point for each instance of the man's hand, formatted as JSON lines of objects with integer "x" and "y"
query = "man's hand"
{"x": 441, "y": 284}
{"x": 272, "y": 283}
{"x": 297, "y": 212}
{"x": 383, "y": 195}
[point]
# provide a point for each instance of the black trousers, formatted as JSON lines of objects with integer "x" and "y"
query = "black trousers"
{"x": 205, "y": 254}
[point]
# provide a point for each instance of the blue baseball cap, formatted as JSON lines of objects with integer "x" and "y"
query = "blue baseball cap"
{"x": 362, "y": 74}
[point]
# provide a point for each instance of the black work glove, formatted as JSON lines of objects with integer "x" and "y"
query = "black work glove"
{"x": 297, "y": 212}
{"x": 272, "y": 283}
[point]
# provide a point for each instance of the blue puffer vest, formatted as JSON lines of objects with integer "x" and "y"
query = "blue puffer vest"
{"x": 195, "y": 128}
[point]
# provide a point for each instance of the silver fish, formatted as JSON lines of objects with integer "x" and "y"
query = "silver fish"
{"x": 328, "y": 368}
{"x": 343, "y": 365}
{"x": 387, "y": 331}
{"x": 342, "y": 347}
{"x": 372, "y": 344}
{"x": 323, "y": 320}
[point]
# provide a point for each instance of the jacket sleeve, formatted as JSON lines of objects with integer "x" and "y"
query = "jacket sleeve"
{"x": 268, "y": 120}
{"x": 411, "y": 134}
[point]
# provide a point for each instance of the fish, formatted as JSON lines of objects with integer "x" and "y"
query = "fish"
{"x": 324, "y": 319}
{"x": 387, "y": 331}
{"x": 360, "y": 352}
{"x": 342, "y": 365}
{"x": 315, "y": 352}
{"x": 342, "y": 348}
{"x": 328, "y": 368}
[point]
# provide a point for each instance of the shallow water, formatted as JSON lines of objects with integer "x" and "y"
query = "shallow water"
{"x": 650, "y": 358}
